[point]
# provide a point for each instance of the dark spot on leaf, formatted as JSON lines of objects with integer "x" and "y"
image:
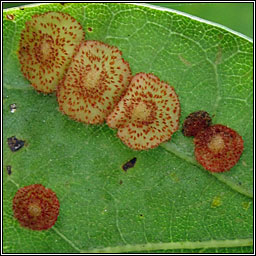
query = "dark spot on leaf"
{"x": 21, "y": 8}
{"x": 195, "y": 122}
{"x": 15, "y": 144}
{"x": 90, "y": 29}
{"x": 240, "y": 183}
{"x": 129, "y": 164}
{"x": 141, "y": 216}
{"x": 9, "y": 16}
{"x": 9, "y": 169}
{"x": 120, "y": 182}
{"x": 13, "y": 107}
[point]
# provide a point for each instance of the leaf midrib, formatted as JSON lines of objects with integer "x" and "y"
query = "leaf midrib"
{"x": 169, "y": 147}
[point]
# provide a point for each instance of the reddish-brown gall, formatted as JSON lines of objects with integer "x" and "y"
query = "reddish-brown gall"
{"x": 218, "y": 148}
{"x": 196, "y": 122}
{"x": 36, "y": 207}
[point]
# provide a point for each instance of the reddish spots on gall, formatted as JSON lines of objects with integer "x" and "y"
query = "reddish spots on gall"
{"x": 36, "y": 207}
{"x": 92, "y": 78}
{"x": 141, "y": 116}
{"x": 97, "y": 86}
{"x": 44, "y": 49}
{"x": 218, "y": 148}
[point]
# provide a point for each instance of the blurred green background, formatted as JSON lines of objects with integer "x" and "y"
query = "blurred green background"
{"x": 237, "y": 16}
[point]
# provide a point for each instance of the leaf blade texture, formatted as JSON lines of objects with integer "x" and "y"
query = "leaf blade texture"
{"x": 165, "y": 197}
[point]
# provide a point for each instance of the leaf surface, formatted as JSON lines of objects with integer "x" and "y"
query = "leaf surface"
{"x": 166, "y": 202}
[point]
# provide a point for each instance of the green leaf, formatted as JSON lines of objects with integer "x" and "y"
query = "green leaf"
{"x": 166, "y": 202}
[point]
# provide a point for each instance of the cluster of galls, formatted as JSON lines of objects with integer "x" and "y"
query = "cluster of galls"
{"x": 94, "y": 83}
{"x": 217, "y": 147}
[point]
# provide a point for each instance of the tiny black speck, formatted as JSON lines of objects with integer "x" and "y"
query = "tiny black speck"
{"x": 129, "y": 164}
{"x": 9, "y": 169}
{"x": 15, "y": 144}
